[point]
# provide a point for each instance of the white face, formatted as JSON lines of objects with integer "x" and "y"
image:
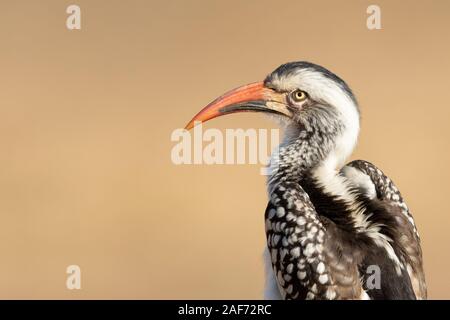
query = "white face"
{"x": 322, "y": 91}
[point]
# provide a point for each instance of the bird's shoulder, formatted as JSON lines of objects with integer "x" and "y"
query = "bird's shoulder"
{"x": 391, "y": 207}
{"x": 376, "y": 185}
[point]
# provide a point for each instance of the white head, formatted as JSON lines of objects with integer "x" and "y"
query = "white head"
{"x": 319, "y": 101}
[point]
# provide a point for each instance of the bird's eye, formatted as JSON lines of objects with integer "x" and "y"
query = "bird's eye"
{"x": 298, "y": 95}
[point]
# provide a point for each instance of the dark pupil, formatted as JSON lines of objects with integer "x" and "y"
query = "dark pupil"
{"x": 299, "y": 94}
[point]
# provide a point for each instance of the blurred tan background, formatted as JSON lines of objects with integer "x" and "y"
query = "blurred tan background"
{"x": 86, "y": 116}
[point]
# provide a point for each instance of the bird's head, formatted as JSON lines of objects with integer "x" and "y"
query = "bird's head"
{"x": 305, "y": 97}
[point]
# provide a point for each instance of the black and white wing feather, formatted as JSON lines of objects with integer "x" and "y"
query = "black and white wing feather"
{"x": 405, "y": 235}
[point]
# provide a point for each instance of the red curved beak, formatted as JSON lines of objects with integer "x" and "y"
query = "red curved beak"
{"x": 254, "y": 97}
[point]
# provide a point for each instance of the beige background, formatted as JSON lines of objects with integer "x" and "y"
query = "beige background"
{"x": 86, "y": 117}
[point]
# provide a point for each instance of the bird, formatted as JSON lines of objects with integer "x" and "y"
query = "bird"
{"x": 327, "y": 223}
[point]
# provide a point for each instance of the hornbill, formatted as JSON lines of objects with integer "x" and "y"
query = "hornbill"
{"x": 326, "y": 223}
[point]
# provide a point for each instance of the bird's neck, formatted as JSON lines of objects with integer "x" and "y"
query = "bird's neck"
{"x": 298, "y": 155}
{"x": 311, "y": 152}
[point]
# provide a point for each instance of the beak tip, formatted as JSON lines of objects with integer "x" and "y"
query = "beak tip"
{"x": 189, "y": 126}
{"x": 253, "y": 91}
